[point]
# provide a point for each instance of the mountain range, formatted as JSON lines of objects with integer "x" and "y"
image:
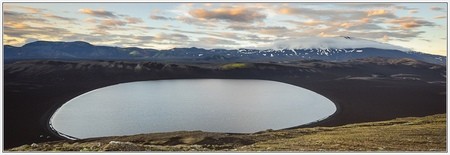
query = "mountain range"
{"x": 327, "y": 49}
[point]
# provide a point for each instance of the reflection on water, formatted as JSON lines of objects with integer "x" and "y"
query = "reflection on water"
{"x": 217, "y": 105}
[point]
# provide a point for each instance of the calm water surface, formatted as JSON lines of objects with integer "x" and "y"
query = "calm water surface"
{"x": 217, "y": 105}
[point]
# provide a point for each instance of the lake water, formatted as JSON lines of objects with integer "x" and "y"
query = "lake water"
{"x": 216, "y": 105}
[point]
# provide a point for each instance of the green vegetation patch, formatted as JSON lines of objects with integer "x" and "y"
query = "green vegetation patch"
{"x": 233, "y": 66}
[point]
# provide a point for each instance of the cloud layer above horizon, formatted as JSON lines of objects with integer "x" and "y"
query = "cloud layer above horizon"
{"x": 418, "y": 26}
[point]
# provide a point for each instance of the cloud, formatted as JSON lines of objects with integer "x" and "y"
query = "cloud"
{"x": 305, "y": 23}
{"x": 413, "y": 11}
{"x": 34, "y": 24}
{"x": 224, "y": 25}
{"x": 144, "y": 38}
{"x": 410, "y": 22}
{"x": 312, "y": 22}
{"x": 133, "y": 20}
{"x": 36, "y": 15}
{"x": 440, "y": 17}
{"x": 315, "y": 27}
{"x": 25, "y": 8}
{"x": 26, "y": 32}
{"x": 313, "y": 13}
{"x": 60, "y": 17}
{"x": 427, "y": 40}
{"x": 267, "y": 30}
{"x": 370, "y": 24}
{"x": 11, "y": 16}
{"x": 8, "y": 40}
{"x": 104, "y": 26}
{"x": 215, "y": 41}
{"x": 386, "y": 38}
{"x": 113, "y": 39}
{"x": 365, "y": 27}
{"x": 197, "y": 22}
{"x": 91, "y": 20}
{"x": 321, "y": 14}
{"x": 33, "y": 10}
{"x": 256, "y": 39}
{"x": 210, "y": 42}
{"x": 379, "y": 35}
{"x": 404, "y": 8}
{"x": 98, "y": 13}
{"x": 272, "y": 30}
{"x": 41, "y": 17}
{"x": 156, "y": 17}
{"x": 18, "y": 25}
{"x": 174, "y": 37}
{"x": 366, "y": 5}
{"x": 380, "y": 13}
{"x": 335, "y": 14}
{"x": 113, "y": 23}
{"x": 233, "y": 14}
{"x": 362, "y": 28}
{"x": 86, "y": 37}
{"x": 435, "y": 8}
{"x": 227, "y": 35}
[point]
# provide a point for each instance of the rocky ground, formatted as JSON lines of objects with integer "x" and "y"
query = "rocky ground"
{"x": 403, "y": 134}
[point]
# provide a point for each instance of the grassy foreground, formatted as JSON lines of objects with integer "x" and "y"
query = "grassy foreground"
{"x": 402, "y": 134}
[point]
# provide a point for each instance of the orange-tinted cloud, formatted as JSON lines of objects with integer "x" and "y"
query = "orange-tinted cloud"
{"x": 133, "y": 20}
{"x": 346, "y": 25}
{"x": 22, "y": 17}
{"x": 15, "y": 41}
{"x": 380, "y": 13}
{"x": 98, "y": 13}
{"x": 366, "y": 20}
{"x": 313, "y": 22}
{"x": 377, "y": 12}
{"x": 440, "y": 17}
{"x": 410, "y": 22}
{"x": 235, "y": 14}
{"x": 324, "y": 34}
{"x": 113, "y": 22}
{"x": 91, "y": 20}
{"x": 18, "y": 25}
{"x": 386, "y": 38}
{"x": 25, "y": 8}
{"x": 286, "y": 11}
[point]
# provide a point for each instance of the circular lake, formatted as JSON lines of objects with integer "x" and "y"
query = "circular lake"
{"x": 215, "y": 105}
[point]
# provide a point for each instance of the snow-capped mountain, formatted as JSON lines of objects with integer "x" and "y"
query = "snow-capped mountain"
{"x": 342, "y": 42}
{"x": 329, "y": 49}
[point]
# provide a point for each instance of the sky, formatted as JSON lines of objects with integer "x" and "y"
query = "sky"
{"x": 418, "y": 26}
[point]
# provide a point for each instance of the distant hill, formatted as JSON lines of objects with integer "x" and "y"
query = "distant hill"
{"x": 328, "y": 49}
